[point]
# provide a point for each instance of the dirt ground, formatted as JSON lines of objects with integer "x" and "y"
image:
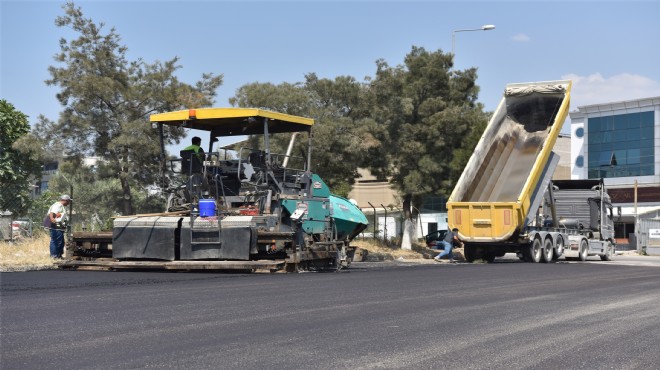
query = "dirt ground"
{"x": 377, "y": 251}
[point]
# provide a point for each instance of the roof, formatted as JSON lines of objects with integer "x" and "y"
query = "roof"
{"x": 233, "y": 121}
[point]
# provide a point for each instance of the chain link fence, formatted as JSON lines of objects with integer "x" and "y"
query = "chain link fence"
{"x": 20, "y": 213}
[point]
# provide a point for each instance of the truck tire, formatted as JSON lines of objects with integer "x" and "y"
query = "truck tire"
{"x": 559, "y": 249}
{"x": 489, "y": 257}
{"x": 470, "y": 252}
{"x": 547, "y": 254}
{"x": 608, "y": 253}
{"x": 584, "y": 250}
{"x": 533, "y": 251}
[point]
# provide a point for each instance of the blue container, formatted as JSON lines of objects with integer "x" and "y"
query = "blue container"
{"x": 206, "y": 207}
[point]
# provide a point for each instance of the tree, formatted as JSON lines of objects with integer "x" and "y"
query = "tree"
{"x": 338, "y": 133}
{"x": 462, "y": 155}
{"x": 107, "y": 101}
{"x": 19, "y": 165}
{"x": 423, "y": 110}
{"x": 414, "y": 125}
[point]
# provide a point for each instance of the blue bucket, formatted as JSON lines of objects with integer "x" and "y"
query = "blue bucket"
{"x": 206, "y": 207}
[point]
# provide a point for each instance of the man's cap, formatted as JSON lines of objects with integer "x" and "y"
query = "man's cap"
{"x": 65, "y": 197}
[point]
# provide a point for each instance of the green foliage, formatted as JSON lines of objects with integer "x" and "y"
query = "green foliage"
{"x": 39, "y": 207}
{"x": 93, "y": 197}
{"x": 97, "y": 197}
{"x": 19, "y": 165}
{"x": 107, "y": 101}
{"x": 414, "y": 125}
{"x": 479, "y": 121}
{"x": 338, "y": 135}
{"x": 423, "y": 110}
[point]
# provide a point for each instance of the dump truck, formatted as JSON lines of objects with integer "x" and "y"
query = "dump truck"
{"x": 505, "y": 200}
{"x": 235, "y": 207}
{"x": 584, "y": 210}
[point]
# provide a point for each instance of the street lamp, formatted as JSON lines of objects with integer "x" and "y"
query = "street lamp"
{"x": 485, "y": 27}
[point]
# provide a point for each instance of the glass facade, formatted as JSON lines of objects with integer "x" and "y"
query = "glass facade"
{"x": 433, "y": 203}
{"x": 621, "y": 145}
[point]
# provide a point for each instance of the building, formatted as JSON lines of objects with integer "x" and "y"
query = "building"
{"x": 41, "y": 185}
{"x": 50, "y": 169}
{"x": 380, "y": 204}
{"x": 620, "y": 142}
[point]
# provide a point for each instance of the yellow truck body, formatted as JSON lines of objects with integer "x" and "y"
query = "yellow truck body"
{"x": 493, "y": 197}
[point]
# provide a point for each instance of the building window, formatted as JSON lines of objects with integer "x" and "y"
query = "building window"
{"x": 621, "y": 145}
{"x": 579, "y": 132}
{"x": 579, "y": 161}
{"x": 433, "y": 203}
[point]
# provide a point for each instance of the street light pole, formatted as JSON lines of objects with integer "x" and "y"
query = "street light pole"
{"x": 485, "y": 27}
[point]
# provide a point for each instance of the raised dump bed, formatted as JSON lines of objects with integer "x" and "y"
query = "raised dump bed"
{"x": 501, "y": 183}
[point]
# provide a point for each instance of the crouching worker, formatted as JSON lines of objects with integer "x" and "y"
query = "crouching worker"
{"x": 448, "y": 243}
{"x": 56, "y": 221}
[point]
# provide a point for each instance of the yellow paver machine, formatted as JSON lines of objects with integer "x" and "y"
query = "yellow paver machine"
{"x": 238, "y": 207}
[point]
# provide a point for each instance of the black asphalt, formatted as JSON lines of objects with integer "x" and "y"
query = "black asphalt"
{"x": 488, "y": 316}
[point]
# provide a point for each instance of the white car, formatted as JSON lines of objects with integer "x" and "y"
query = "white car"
{"x": 21, "y": 228}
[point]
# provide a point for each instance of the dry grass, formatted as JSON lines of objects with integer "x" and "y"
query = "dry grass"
{"x": 26, "y": 254}
{"x": 378, "y": 251}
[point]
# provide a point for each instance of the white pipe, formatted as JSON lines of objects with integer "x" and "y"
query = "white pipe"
{"x": 285, "y": 162}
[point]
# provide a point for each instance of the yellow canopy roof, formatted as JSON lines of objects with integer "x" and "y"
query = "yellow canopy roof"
{"x": 233, "y": 121}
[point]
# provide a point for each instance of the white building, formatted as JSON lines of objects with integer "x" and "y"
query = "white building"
{"x": 620, "y": 142}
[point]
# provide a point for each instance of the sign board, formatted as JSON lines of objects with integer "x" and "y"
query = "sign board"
{"x": 654, "y": 233}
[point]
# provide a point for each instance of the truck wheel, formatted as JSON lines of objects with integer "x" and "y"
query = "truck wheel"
{"x": 470, "y": 252}
{"x": 608, "y": 253}
{"x": 559, "y": 250}
{"x": 533, "y": 251}
{"x": 547, "y": 251}
{"x": 584, "y": 250}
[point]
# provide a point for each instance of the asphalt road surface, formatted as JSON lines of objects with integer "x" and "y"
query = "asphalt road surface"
{"x": 388, "y": 315}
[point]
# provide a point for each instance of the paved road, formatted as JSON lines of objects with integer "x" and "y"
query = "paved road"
{"x": 624, "y": 259}
{"x": 387, "y": 315}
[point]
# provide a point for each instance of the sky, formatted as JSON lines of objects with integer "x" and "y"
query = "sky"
{"x": 609, "y": 49}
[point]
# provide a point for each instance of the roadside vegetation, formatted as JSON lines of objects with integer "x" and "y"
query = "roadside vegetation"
{"x": 25, "y": 254}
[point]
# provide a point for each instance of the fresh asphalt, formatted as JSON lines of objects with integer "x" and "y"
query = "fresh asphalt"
{"x": 505, "y": 315}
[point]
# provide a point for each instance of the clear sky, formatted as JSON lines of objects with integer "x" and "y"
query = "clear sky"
{"x": 610, "y": 49}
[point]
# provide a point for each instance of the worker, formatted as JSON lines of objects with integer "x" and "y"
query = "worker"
{"x": 56, "y": 220}
{"x": 448, "y": 242}
{"x": 196, "y": 147}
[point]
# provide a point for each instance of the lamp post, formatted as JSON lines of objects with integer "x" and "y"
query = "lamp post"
{"x": 485, "y": 27}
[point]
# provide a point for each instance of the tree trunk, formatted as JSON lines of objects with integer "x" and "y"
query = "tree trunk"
{"x": 126, "y": 190}
{"x": 406, "y": 239}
